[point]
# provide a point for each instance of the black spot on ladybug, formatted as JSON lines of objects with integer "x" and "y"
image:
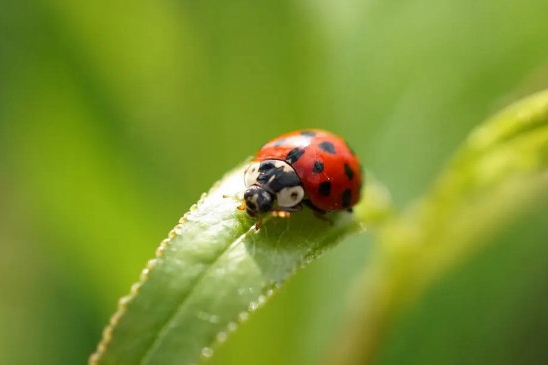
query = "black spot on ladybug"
{"x": 327, "y": 147}
{"x": 318, "y": 167}
{"x": 294, "y": 155}
{"x": 273, "y": 178}
{"x": 348, "y": 171}
{"x": 279, "y": 142}
{"x": 346, "y": 196}
{"x": 308, "y": 133}
{"x": 266, "y": 166}
{"x": 325, "y": 188}
{"x": 283, "y": 180}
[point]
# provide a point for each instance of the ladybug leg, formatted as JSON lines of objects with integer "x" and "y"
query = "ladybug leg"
{"x": 309, "y": 204}
{"x": 320, "y": 214}
{"x": 281, "y": 213}
{"x": 286, "y": 212}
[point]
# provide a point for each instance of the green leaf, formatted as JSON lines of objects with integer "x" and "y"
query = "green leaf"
{"x": 214, "y": 269}
{"x": 497, "y": 175}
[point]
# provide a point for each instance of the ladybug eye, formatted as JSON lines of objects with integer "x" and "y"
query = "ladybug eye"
{"x": 290, "y": 196}
{"x": 251, "y": 174}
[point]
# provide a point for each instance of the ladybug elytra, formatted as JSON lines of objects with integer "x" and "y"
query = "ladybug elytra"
{"x": 312, "y": 167}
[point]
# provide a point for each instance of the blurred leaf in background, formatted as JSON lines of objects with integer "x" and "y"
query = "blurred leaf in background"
{"x": 115, "y": 118}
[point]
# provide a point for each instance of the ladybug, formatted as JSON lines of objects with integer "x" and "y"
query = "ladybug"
{"x": 312, "y": 167}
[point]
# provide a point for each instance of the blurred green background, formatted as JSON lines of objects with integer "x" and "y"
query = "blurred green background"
{"x": 115, "y": 117}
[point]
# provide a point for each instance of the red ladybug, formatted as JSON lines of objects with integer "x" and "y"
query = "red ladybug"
{"x": 312, "y": 167}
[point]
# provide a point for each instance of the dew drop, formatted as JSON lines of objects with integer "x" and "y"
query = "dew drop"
{"x": 221, "y": 336}
{"x": 123, "y": 301}
{"x": 107, "y": 332}
{"x": 115, "y": 318}
{"x": 207, "y": 352}
{"x": 243, "y": 316}
{"x": 244, "y": 291}
{"x": 94, "y": 358}
{"x": 208, "y": 317}
{"x": 178, "y": 229}
{"x": 253, "y": 306}
{"x": 144, "y": 274}
{"x": 308, "y": 259}
{"x": 232, "y": 326}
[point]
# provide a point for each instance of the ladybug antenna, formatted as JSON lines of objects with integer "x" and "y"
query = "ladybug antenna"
{"x": 257, "y": 200}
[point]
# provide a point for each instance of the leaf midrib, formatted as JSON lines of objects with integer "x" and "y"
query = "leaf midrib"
{"x": 164, "y": 328}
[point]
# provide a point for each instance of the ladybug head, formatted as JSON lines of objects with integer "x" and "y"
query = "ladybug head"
{"x": 257, "y": 200}
{"x": 271, "y": 182}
